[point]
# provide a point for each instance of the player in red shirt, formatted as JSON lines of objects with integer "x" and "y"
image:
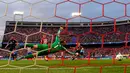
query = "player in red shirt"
{"x": 44, "y": 41}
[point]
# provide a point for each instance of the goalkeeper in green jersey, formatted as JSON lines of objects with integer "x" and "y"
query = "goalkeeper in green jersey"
{"x": 44, "y": 49}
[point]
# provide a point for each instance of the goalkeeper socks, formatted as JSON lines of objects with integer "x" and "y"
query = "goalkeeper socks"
{"x": 29, "y": 56}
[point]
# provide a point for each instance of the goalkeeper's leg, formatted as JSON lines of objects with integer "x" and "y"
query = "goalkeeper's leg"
{"x": 26, "y": 57}
{"x": 40, "y": 53}
{"x": 38, "y": 47}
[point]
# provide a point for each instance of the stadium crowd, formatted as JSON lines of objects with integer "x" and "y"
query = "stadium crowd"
{"x": 71, "y": 37}
{"x": 88, "y": 37}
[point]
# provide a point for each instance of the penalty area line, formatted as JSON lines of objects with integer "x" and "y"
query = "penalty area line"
{"x": 57, "y": 68}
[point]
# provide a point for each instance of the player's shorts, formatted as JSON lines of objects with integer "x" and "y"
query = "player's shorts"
{"x": 77, "y": 51}
{"x": 12, "y": 48}
{"x": 81, "y": 53}
{"x": 42, "y": 47}
{"x": 29, "y": 53}
{"x": 14, "y": 54}
{"x": 43, "y": 52}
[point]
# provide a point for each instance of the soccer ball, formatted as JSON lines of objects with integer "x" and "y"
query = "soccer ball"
{"x": 119, "y": 57}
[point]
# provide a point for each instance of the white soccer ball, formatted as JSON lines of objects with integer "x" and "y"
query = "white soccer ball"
{"x": 119, "y": 57}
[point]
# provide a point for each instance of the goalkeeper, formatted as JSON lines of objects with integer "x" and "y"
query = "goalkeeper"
{"x": 44, "y": 49}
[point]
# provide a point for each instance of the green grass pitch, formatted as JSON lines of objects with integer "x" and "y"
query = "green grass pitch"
{"x": 41, "y": 66}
